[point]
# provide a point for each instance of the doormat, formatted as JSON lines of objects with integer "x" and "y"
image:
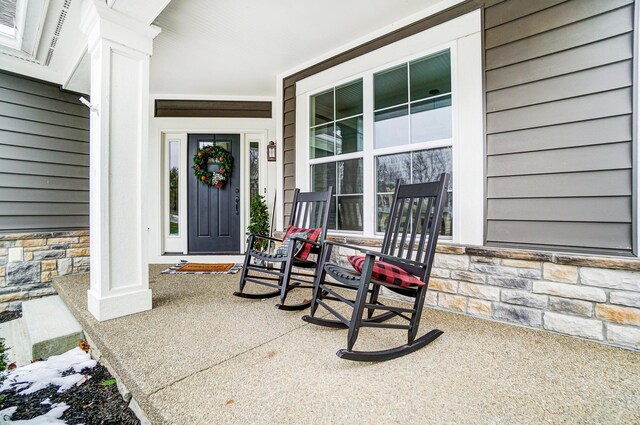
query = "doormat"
{"x": 185, "y": 267}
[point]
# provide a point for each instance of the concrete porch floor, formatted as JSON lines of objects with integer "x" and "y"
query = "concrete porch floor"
{"x": 202, "y": 356}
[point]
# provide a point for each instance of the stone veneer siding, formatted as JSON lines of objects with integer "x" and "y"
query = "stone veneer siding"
{"x": 592, "y": 297}
{"x": 28, "y": 262}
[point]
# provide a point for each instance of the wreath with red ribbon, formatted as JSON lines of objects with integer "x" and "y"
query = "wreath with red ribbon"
{"x": 201, "y": 165}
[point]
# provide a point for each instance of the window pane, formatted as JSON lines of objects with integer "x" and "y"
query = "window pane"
{"x": 390, "y": 168}
{"x": 322, "y": 108}
{"x": 323, "y": 176}
{"x": 413, "y": 167}
{"x": 391, "y": 127}
{"x": 427, "y": 167}
{"x": 254, "y": 169}
{"x": 431, "y": 120}
{"x": 349, "y": 135}
{"x": 383, "y": 206}
{"x": 350, "y": 212}
{"x": 390, "y": 87}
{"x": 322, "y": 141}
{"x": 429, "y": 164}
{"x": 431, "y": 76}
{"x": 350, "y": 176}
{"x": 174, "y": 171}
{"x": 349, "y": 100}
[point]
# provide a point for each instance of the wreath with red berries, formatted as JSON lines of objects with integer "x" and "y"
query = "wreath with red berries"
{"x": 201, "y": 161}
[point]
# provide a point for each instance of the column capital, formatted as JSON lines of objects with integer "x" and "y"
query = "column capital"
{"x": 100, "y": 22}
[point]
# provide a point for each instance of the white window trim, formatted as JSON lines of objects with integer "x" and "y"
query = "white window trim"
{"x": 462, "y": 37}
{"x": 174, "y": 243}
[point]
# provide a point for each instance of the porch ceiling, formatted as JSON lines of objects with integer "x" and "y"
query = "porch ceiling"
{"x": 239, "y": 47}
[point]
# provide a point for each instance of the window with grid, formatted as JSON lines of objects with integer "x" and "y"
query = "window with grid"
{"x": 409, "y": 138}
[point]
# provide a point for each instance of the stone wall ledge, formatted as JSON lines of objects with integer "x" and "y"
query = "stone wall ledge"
{"x": 583, "y": 260}
{"x": 43, "y": 235}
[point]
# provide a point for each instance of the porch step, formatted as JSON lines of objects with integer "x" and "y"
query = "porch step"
{"x": 51, "y": 328}
{"x": 16, "y": 341}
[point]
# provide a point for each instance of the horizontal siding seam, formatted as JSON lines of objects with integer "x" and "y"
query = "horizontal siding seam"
{"x": 520, "y": 17}
{"x": 57, "y": 111}
{"x": 47, "y": 123}
{"x": 76, "y": 104}
{"x": 44, "y": 175}
{"x": 554, "y": 28}
{"x": 555, "y": 124}
{"x": 40, "y": 94}
{"x": 556, "y": 51}
{"x": 41, "y": 135}
{"x": 44, "y": 149}
{"x": 558, "y": 172}
{"x": 543, "y": 220}
{"x": 560, "y": 148}
{"x": 45, "y": 162}
{"x": 629, "y": 59}
{"x": 562, "y": 98}
{"x": 515, "y": 198}
{"x": 563, "y": 26}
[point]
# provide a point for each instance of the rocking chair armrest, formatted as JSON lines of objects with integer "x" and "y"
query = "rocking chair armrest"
{"x": 391, "y": 257}
{"x": 305, "y": 240}
{"x": 259, "y": 236}
{"x": 343, "y": 245}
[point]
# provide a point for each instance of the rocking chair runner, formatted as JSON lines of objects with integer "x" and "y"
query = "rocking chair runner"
{"x": 403, "y": 266}
{"x": 306, "y": 232}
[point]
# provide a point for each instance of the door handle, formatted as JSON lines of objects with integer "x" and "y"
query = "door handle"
{"x": 237, "y": 205}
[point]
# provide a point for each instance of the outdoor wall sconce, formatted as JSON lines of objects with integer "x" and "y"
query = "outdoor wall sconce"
{"x": 271, "y": 151}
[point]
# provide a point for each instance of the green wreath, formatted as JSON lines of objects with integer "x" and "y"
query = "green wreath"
{"x": 201, "y": 162}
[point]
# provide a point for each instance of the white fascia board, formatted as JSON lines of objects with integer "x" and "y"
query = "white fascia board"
{"x": 30, "y": 69}
{"x": 443, "y": 5}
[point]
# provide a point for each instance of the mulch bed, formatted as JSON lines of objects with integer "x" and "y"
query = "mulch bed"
{"x": 7, "y": 316}
{"x": 90, "y": 403}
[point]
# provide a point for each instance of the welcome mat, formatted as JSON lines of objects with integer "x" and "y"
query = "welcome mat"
{"x": 185, "y": 267}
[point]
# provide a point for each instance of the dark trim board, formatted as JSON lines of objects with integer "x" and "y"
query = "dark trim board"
{"x": 165, "y": 108}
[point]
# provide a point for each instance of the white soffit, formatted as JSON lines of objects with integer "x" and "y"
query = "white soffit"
{"x": 51, "y": 50}
{"x": 222, "y": 47}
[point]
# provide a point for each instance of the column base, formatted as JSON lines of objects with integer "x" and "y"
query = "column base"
{"x": 110, "y": 307}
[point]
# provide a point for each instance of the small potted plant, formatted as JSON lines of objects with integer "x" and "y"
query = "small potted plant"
{"x": 259, "y": 221}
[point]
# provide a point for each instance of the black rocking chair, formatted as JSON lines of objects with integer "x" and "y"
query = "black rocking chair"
{"x": 306, "y": 233}
{"x": 403, "y": 266}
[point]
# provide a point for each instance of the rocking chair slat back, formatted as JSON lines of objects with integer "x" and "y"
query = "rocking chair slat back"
{"x": 311, "y": 210}
{"x": 413, "y": 221}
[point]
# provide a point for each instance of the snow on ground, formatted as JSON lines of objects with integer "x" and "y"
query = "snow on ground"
{"x": 39, "y": 375}
{"x": 52, "y": 417}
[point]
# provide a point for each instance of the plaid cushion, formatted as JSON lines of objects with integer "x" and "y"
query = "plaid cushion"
{"x": 387, "y": 273}
{"x": 311, "y": 234}
{"x": 288, "y": 243}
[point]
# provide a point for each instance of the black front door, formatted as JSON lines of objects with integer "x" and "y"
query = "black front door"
{"x": 214, "y": 214}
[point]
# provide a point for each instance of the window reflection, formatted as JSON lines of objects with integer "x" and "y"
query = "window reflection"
{"x": 174, "y": 172}
{"x": 254, "y": 169}
{"x": 345, "y": 211}
{"x": 412, "y": 167}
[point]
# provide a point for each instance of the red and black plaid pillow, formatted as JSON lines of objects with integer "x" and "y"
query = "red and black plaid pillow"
{"x": 387, "y": 273}
{"x": 311, "y": 234}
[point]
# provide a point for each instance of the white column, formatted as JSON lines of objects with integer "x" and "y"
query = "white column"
{"x": 120, "y": 48}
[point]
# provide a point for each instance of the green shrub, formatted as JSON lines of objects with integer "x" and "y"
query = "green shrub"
{"x": 259, "y": 221}
{"x": 3, "y": 355}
